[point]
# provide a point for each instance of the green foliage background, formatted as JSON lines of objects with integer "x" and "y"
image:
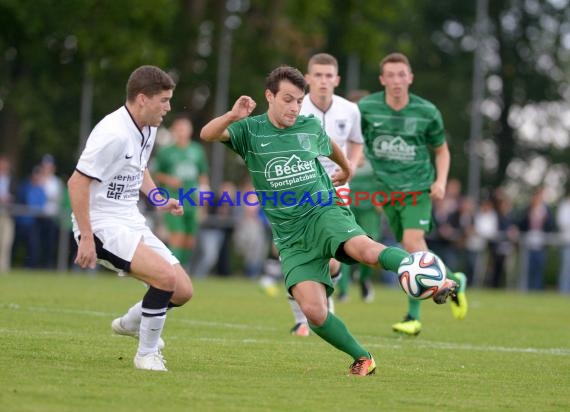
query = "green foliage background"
{"x": 50, "y": 50}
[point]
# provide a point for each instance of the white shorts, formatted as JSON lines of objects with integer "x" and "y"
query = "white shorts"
{"x": 116, "y": 246}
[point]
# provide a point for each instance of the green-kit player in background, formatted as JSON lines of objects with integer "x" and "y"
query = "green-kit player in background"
{"x": 368, "y": 216}
{"x": 281, "y": 150}
{"x": 398, "y": 128}
{"x": 182, "y": 165}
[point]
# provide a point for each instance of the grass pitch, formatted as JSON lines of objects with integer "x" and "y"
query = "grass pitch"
{"x": 229, "y": 350}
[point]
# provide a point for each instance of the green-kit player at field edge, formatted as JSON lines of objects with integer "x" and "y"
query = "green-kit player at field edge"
{"x": 280, "y": 149}
{"x": 182, "y": 165}
{"x": 398, "y": 127}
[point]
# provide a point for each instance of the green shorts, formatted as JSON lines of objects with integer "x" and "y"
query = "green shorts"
{"x": 187, "y": 223}
{"x": 307, "y": 258}
{"x": 369, "y": 220}
{"x": 409, "y": 214}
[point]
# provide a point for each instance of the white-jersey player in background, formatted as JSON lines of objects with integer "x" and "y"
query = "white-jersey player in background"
{"x": 110, "y": 230}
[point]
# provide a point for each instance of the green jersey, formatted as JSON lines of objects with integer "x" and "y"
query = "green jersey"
{"x": 185, "y": 163}
{"x": 290, "y": 182}
{"x": 396, "y": 142}
{"x": 363, "y": 181}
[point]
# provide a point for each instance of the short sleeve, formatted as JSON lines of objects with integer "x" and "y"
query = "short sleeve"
{"x": 99, "y": 158}
{"x": 324, "y": 143}
{"x": 356, "y": 130}
{"x": 239, "y": 132}
{"x": 435, "y": 132}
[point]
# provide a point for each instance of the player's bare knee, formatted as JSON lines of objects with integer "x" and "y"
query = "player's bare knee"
{"x": 316, "y": 313}
{"x": 184, "y": 288}
{"x": 183, "y": 293}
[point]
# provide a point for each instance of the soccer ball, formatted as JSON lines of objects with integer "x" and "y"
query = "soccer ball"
{"x": 421, "y": 275}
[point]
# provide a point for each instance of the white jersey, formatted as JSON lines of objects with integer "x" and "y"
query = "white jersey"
{"x": 115, "y": 157}
{"x": 341, "y": 122}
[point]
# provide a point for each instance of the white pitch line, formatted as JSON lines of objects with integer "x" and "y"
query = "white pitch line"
{"x": 484, "y": 348}
{"x": 387, "y": 343}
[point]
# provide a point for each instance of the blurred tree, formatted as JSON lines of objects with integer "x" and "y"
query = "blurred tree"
{"x": 527, "y": 62}
{"x": 51, "y": 50}
{"x": 48, "y": 49}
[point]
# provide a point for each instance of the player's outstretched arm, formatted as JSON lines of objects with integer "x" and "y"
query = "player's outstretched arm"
{"x": 217, "y": 129}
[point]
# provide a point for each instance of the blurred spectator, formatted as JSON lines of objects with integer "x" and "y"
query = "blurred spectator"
{"x": 6, "y": 221}
{"x": 486, "y": 228}
{"x": 469, "y": 241}
{"x": 504, "y": 244}
{"x": 482, "y": 230}
{"x": 49, "y": 223}
{"x": 443, "y": 239}
{"x": 28, "y": 236}
{"x": 563, "y": 222}
{"x": 214, "y": 235}
{"x": 250, "y": 235}
{"x": 536, "y": 221}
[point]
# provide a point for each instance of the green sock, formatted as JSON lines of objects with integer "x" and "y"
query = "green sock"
{"x": 391, "y": 257}
{"x": 365, "y": 272}
{"x": 344, "y": 281}
{"x": 414, "y": 308}
{"x": 459, "y": 279}
{"x": 335, "y": 332}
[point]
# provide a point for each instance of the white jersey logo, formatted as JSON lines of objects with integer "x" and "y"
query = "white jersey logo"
{"x": 393, "y": 148}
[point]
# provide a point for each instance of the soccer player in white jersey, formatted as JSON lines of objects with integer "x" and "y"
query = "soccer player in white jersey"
{"x": 110, "y": 230}
{"x": 341, "y": 120}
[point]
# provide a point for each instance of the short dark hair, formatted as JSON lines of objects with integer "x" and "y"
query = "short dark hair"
{"x": 148, "y": 80}
{"x": 324, "y": 59}
{"x": 181, "y": 116}
{"x": 287, "y": 73}
{"x": 395, "y": 58}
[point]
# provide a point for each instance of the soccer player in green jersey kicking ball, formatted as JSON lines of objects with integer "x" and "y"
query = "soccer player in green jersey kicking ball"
{"x": 340, "y": 118}
{"x": 182, "y": 165}
{"x": 281, "y": 149}
{"x": 398, "y": 127}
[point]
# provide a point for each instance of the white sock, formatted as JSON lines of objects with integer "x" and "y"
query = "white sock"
{"x": 132, "y": 319}
{"x": 297, "y": 312}
{"x": 336, "y": 278}
{"x": 149, "y": 333}
{"x": 330, "y": 304}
